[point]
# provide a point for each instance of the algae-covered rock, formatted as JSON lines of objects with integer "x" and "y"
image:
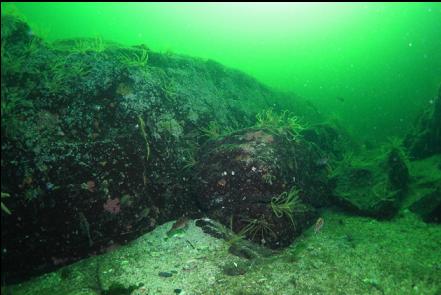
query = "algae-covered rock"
{"x": 373, "y": 183}
{"x": 428, "y": 206}
{"x": 99, "y": 140}
{"x": 425, "y": 189}
{"x": 425, "y": 139}
{"x": 261, "y": 183}
{"x": 331, "y": 138}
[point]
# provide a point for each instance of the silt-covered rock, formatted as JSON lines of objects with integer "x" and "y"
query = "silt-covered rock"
{"x": 373, "y": 183}
{"x": 425, "y": 189}
{"x": 425, "y": 139}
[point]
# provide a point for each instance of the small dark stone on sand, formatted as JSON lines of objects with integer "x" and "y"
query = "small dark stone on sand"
{"x": 165, "y": 274}
{"x": 235, "y": 269}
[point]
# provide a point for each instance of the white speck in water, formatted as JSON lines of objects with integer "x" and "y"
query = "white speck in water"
{"x": 232, "y": 172}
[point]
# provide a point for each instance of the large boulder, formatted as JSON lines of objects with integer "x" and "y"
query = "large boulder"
{"x": 373, "y": 183}
{"x": 262, "y": 183}
{"x": 98, "y": 141}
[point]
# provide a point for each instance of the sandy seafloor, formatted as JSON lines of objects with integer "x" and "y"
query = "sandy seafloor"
{"x": 350, "y": 255}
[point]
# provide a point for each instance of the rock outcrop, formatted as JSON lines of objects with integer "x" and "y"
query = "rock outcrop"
{"x": 373, "y": 183}
{"x": 425, "y": 140}
{"x": 99, "y": 141}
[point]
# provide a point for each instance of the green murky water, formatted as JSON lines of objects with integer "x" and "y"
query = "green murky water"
{"x": 357, "y": 61}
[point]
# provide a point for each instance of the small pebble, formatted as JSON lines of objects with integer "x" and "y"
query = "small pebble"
{"x": 178, "y": 291}
{"x": 165, "y": 274}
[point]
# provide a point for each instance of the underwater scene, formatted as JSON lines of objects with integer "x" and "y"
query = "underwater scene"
{"x": 220, "y": 148}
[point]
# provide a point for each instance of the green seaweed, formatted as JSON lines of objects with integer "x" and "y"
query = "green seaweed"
{"x": 144, "y": 136}
{"x": 137, "y": 58}
{"x": 287, "y": 204}
{"x": 83, "y": 45}
{"x": 4, "y": 208}
{"x": 284, "y": 123}
{"x": 212, "y": 131}
{"x": 258, "y": 227}
{"x": 189, "y": 159}
{"x": 143, "y": 132}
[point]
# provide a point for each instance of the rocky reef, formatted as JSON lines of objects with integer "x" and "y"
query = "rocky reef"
{"x": 101, "y": 143}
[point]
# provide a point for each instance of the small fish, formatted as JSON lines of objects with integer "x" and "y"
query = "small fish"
{"x": 341, "y": 99}
{"x": 318, "y": 225}
{"x": 179, "y": 226}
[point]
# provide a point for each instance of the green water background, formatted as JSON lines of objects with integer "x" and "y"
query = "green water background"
{"x": 374, "y": 66}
